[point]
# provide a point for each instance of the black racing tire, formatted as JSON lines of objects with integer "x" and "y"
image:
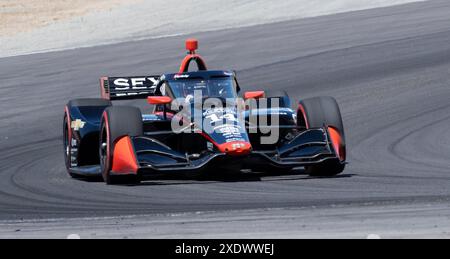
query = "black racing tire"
{"x": 316, "y": 113}
{"x": 67, "y": 130}
{"x": 67, "y": 147}
{"x": 117, "y": 121}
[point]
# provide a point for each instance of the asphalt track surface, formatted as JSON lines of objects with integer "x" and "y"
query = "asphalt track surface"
{"x": 388, "y": 68}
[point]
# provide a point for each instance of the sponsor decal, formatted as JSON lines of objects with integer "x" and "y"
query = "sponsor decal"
{"x": 210, "y": 146}
{"x": 181, "y": 76}
{"x": 237, "y": 146}
{"x": 138, "y": 83}
{"x": 77, "y": 124}
{"x": 151, "y": 117}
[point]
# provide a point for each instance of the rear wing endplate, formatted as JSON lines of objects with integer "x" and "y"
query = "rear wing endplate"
{"x": 126, "y": 88}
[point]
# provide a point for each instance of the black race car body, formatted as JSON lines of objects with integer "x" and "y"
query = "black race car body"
{"x": 199, "y": 125}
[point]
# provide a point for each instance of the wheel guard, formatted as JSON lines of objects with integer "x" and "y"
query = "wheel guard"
{"x": 311, "y": 146}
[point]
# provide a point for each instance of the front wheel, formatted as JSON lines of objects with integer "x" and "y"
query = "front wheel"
{"x": 319, "y": 112}
{"x": 117, "y": 122}
{"x": 325, "y": 169}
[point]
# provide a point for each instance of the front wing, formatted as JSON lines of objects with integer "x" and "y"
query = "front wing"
{"x": 310, "y": 147}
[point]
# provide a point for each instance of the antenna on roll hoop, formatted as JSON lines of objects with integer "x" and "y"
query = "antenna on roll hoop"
{"x": 192, "y": 46}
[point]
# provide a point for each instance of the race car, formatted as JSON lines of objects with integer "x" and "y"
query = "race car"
{"x": 199, "y": 122}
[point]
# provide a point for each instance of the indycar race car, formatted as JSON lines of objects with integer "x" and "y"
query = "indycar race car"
{"x": 198, "y": 123}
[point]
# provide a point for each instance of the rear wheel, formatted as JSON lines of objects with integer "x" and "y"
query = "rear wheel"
{"x": 117, "y": 122}
{"x": 67, "y": 146}
{"x": 70, "y": 157}
{"x": 282, "y": 97}
{"x": 316, "y": 113}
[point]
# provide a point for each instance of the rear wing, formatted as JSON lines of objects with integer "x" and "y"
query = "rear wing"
{"x": 126, "y": 88}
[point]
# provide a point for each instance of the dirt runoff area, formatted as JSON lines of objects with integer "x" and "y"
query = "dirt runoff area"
{"x": 17, "y": 16}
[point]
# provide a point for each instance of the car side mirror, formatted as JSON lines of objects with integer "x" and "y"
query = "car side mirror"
{"x": 158, "y": 100}
{"x": 254, "y": 95}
